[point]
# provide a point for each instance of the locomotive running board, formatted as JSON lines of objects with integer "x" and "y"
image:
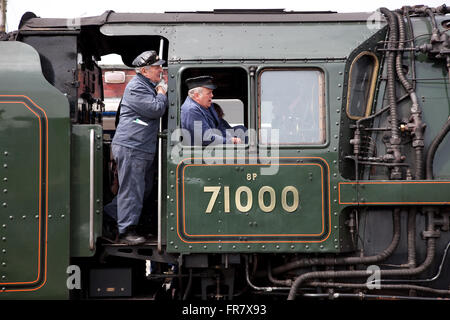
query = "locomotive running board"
{"x": 145, "y": 251}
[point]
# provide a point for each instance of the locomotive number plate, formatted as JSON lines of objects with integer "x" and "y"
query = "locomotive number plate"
{"x": 234, "y": 202}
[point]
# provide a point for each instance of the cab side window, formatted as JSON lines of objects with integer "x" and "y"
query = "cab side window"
{"x": 361, "y": 85}
{"x": 291, "y": 103}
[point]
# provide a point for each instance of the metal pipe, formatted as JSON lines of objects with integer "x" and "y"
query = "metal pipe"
{"x": 431, "y": 249}
{"x": 412, "y": 237}
{"x": 433, "y": 148}
{"x": 267, "y": 289}
{"x": 382, "y": 287}
{"x": 435, "y": 277}
{"x": 287, "y": 282}
{"x": 348, "y": 260}
{"x": 415, "y": 124}
{"x": 159, "y": 247}
{"x": 363, "y": 296}
{"x": 395, "y": 132}
{"x": 91, "y": 187}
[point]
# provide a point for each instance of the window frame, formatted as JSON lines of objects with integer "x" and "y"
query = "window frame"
{"x": 322, "y": 105}
{"x": 180, "y": 72}
{"x": 371, "y": 89}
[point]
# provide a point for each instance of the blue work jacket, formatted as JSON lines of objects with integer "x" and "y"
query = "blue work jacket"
{"x": 209, "y": 127}
{"x": 140, "y": 111}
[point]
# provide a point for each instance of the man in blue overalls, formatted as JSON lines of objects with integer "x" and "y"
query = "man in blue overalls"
{"x": 134, "y": 144}
{"x": 197, "y": 116}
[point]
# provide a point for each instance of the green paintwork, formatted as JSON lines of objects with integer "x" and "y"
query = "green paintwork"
{"x": 394, "y": 192}
{"x": 255, "y": 40}
{"x": 35, "y": 233}
{"x": 80, "y": 186}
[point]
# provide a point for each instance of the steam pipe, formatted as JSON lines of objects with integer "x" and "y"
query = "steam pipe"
{"x": 383, "y": 286}
{"x": 395, "y": 132}
{"x": 412, "y": 237}
{"x": 431, "y": 249}
{"x": 349, "y": 260}
{"x": 433, "y": 148}
{"x": 415, "y": 125}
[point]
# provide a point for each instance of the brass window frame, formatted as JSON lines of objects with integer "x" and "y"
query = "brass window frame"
{"x": 372, "y": 85}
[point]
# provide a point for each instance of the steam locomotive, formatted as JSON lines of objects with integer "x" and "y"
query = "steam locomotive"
{"x": 342, "y": 189}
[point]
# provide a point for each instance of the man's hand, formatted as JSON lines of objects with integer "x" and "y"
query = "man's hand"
{"x": 236, "y": 140}
{"x": 161, "y": 87}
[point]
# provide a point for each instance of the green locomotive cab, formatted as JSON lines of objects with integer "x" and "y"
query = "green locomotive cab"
{"x": 343, "y": 166}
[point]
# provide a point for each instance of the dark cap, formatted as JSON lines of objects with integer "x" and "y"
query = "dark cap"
{"x": 147, "y": 58}
{"x": 203, "y": 81}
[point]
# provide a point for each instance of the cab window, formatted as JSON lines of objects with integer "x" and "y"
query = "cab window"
{"x": 291, "y": 107}
{"x": 361, "y": 86}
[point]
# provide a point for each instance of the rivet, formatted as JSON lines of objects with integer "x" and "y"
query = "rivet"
{"x": 4, "y": 204}
{"x": 5, "y": 165}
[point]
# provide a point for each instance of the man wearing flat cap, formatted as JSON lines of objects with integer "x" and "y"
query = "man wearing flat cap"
{"x": 134, "y": 144}
{"x": 199, "y": 118}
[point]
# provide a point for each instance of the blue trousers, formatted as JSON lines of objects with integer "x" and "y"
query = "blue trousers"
{"x": 135, "y": 173}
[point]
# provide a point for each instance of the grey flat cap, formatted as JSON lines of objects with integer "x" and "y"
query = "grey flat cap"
{"x": 147, "y": 58}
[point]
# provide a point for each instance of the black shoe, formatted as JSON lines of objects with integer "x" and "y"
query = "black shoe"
{"x": 131, "y": 237}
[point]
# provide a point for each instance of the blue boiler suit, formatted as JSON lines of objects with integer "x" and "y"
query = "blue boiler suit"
{"x": 208, "y": 128}
{"x": 134, "y": 148}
